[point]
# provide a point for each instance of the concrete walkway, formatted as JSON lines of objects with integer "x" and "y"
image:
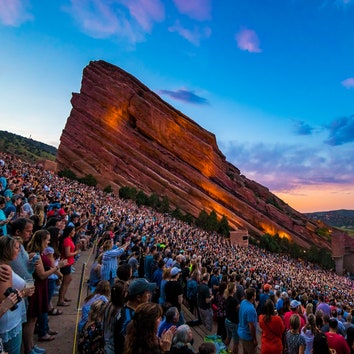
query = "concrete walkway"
{"x": 65, "y": 324}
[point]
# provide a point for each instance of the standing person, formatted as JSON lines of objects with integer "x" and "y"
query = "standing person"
{"x": 111, "y": 253}
{"x": 309, "y": 331}
{"x": 174, "y": 292}
{"x": 139, "y": 292}
{"x": 112, "y": 312}
{"x": 320, "y": 345}
{"x": 336, "y": 341}
{"x": 204, "y": 302}
{"x": 232, "y": 317}
{"x": 38, "y": 303}
{"x": 220, "y": 303}
{"x": 11, "y": 321}
{"x": 248, "y": 323}
{"x": 272, "y": 330}
{"x": 23, "y": 266}
{"x": 295, "y": 342}
{"x": 68, "y": 252}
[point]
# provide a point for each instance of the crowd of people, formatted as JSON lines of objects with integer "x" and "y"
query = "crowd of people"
{"x": 147, "y": 265}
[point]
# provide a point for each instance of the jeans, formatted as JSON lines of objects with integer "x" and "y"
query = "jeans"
{"x": 43, "y": 326}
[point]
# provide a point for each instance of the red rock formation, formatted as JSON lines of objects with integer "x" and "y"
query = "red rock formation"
{"x": 125, "y": 135}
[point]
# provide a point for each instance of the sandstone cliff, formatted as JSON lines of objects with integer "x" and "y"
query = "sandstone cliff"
{"x": 126, "y": 135}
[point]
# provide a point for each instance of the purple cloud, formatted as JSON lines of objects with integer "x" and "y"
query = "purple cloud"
{"x": 196, "y": 9}
{"x": 301, "y": 128}
{"x": 193, "y": 36}
{"x": 341, "y": 131}
{"x": 283, "y": 168}
{"x": 348, "y": 83}
{"x": 185, "y": 96}
{"x": 127, "y": 19}
{"x": 248, "y": 40}
{"x": 145, "y": 12}
{"x": 14, "y": 12}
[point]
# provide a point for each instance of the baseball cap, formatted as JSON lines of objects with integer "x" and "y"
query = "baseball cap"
{"x": 139, "y": 286}
{"x": 267, "y": 287}
{"x": 175, "y": 271}
{"x": 294, "y": 304}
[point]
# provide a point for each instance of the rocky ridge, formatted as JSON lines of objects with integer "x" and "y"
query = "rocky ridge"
{"x": 126, "y": 135}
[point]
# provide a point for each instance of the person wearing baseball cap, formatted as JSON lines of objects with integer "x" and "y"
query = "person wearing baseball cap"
{"x": 174, "y": 291}
{"x": 139, "y": 292}
{"x": 295, "y": 308}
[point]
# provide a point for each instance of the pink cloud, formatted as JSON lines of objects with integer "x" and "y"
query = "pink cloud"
{"x": 146, "y": 12}
{"x": 193, "y": 36}
{"x": 197, "y": 9}
{"x": 248, "y": 40}
{"x": 14, "y": 13}
{"x": 348, "y": 83}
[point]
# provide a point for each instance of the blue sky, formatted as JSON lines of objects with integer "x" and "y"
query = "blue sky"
{"x": 273, "y": 80}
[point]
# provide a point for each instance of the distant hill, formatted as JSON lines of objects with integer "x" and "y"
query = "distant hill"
{"x": 26, "y": 149}
{"x": 336, "y": 218}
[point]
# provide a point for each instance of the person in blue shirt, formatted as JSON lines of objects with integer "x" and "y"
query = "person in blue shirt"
{"x": 247, "y": 328}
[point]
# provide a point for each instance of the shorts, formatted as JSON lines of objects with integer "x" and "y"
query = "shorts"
{"x": 231, "y": 330}
{"x": 66, "y": 270}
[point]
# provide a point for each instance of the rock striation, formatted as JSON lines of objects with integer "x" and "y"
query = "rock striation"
{"x": 126, "y": 135}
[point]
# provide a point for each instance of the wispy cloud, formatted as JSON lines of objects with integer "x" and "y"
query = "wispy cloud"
{"x": 283, "y": 168}
{"x": 348, "y": 83}
{"x": 185, "y": 96}
{"x": 14, "y": 12}
{"x": 193, "y": 36}
{"x": 341, "y": 131}
{"x": 302, "y": 128}
{"x": 196, "y": 9}
{"x": 130, "y": 19}
{"x": 248, "y": 40}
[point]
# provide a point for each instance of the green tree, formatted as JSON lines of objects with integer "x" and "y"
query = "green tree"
{"x": 212, "y": 222}
{"x": 165, "y": 205}
{"x": 108, "y": 189}
{"x": 177, "y": 213}
{"x": 154, "y": 201}
{"x": 224, "y": 228}
{"x": 89, "y": 180}
{"x": 141, "y": 198}
{"x": 202, "y": 219}
{"x": 67, "y": 173}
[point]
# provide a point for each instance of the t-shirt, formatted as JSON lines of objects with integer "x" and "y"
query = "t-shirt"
{"x": 172, "y": 290}
{"x": 337, "y": 342}
{"x": 203, "y": 294}
{"x": 247, "y": 315}
{"x": 232, "y": 310}
{"x": 68, "y": 242}
{"x": 294, "y": 341}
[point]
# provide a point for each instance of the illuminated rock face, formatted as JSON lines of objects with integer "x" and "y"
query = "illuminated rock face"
{"x": 125, "y": 135}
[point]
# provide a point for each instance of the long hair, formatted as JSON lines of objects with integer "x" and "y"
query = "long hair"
{"x": 141, "y": 332}
{"x": 7, "y": 248}
{"x": 66, "y": 233}
{"x": 268, "y": 310}
{"x": 230, "y": 290}
{"x": 36, "y": 242}
{"x": 118, "y": 295}
{"x": 311, "y": 324}
{"x": 54, "y": 240}
{"x": 320, "y": 344}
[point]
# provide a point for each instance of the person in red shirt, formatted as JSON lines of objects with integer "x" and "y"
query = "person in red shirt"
{"x": 295, "y": 308}
{"x": 336, "y": 341}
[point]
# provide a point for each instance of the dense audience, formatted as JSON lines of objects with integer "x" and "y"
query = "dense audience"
{"x": 147, "y": 266}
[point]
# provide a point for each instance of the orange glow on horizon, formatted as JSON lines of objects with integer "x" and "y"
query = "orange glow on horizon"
{"x": 325, "y": 198}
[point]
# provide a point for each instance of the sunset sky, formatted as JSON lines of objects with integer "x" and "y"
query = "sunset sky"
{"x": 273, "y": 80}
